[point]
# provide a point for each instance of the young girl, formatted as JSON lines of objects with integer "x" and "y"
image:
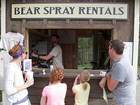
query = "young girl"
{"x": 81, "y": 90}
{"x": 15, "y": 87}
{"x": 55, "y": 92}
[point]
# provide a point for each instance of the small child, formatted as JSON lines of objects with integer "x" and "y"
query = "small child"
{"x": 55, "y": 92}
{"x": 82, "y": 89}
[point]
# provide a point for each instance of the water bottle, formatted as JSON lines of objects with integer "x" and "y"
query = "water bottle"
{"x": 51, "y": 68}
{"x": 44, "y": 71}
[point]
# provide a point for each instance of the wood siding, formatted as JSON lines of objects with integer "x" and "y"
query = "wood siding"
{"x": 124, "y": 29}
{"x": 40, "y": 81}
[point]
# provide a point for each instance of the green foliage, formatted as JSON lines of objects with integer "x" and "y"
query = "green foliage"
{"x": 85, "y": 52}
{"x": 82, "y": 66}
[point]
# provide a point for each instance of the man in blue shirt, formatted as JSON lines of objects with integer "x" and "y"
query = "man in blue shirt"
{"x": 121, "y": 79}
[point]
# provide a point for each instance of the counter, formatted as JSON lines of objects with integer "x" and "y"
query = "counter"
{"x": 41, "y": 80}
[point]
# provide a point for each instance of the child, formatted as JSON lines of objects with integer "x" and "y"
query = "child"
{"x": 55, "y": 92}
{"x": 82, "y": 89}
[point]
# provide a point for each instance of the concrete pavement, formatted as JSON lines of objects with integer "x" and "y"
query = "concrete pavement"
{"x": 138, "y": 92}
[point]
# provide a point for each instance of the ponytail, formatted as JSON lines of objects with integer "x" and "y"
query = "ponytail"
{"x": 85, "y": 85}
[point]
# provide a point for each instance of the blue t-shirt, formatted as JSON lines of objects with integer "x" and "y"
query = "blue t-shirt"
{"x": 124, "y": 93}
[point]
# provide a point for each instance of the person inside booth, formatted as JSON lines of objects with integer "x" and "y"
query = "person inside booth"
{"x": 55, "y": 54}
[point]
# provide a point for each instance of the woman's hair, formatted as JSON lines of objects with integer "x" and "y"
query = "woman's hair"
{"x": 16, "y": 51}
{"x": 56, "y": 75}
{"x": 84, "y": 77}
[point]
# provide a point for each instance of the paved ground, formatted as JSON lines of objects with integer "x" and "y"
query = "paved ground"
{"x": 138, "y": 92}
{"x": 138, "y": 89}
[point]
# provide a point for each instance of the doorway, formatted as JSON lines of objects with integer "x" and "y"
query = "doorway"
{"x": 92, "y": 48}
{"x": 85, "y": 52}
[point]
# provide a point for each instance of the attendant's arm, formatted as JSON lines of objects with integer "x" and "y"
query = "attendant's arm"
{"x": 43, "y": 100}
{"x": 49, "y": 56}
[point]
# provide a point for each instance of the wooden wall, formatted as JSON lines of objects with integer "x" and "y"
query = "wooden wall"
{"x": 35, "y": 91}
{"x": 40, "y": 81}
{"x": 121, "y": 29}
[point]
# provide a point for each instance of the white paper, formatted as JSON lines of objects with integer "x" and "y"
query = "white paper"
{"x": 105, "y": 96}
{"x": 128, "y": 50}
{"x": 27, "y": 64}
{"x": 102, "y": 73}
{"x": 92, "y": 75}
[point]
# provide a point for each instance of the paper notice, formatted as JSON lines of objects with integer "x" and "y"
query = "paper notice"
{"x": 105, "y": 96}
{"x": 102, "y": 73}
{"x": 27, "y": 64}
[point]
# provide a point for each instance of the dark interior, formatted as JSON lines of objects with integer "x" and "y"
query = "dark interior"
{"x": 40, "y": 43}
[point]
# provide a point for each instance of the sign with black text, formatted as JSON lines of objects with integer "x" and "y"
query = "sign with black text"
{"x": 107, "y": 11}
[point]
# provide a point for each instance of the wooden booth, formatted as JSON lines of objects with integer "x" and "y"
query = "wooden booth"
{"x": 84, "y": 26}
